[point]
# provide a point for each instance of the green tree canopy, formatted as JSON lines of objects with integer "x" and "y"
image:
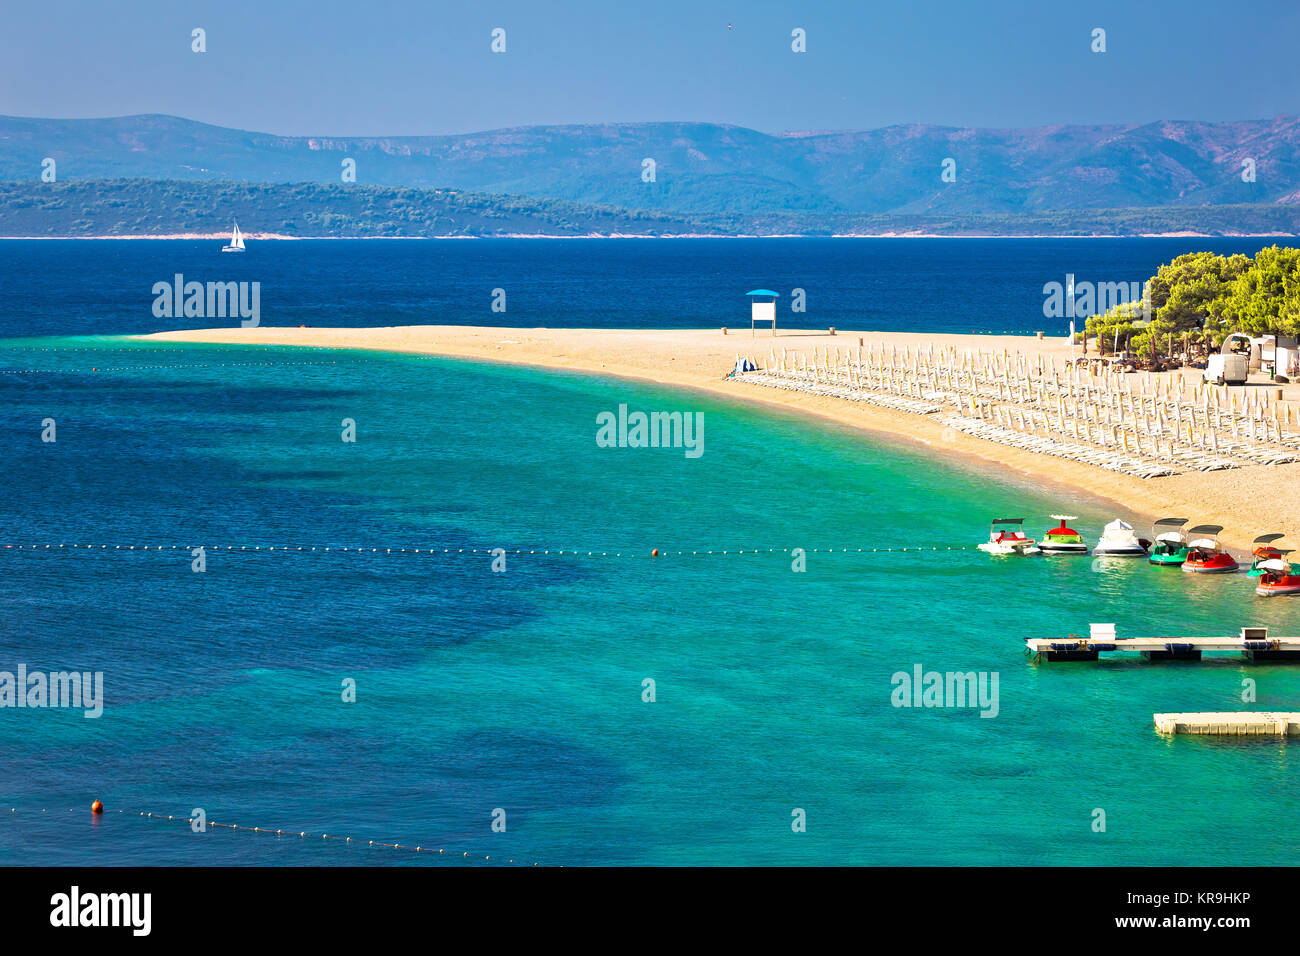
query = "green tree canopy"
{"x": 1204, "y": 295}
{"x": 1265, "y": 297}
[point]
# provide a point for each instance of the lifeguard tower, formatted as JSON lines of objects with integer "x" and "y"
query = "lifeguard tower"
{"x": 762, "y": 308}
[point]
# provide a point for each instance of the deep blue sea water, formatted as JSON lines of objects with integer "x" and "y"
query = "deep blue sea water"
{"x": 81, "y": 287}
{"x": 522, "y": 690}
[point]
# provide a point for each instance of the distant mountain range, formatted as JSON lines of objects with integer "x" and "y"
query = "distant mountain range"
{"x": 707, "y": 175}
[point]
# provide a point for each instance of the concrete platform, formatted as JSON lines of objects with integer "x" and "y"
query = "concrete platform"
{"x": 1252, "y": 643}
{"x": 1230, "y": 723}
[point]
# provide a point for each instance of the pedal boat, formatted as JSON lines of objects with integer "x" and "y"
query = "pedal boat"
{"x": 1006, "y": 537}
{"x": 1265, "y": 551}
{"x": 1205, "y": 555}
{"x": 1170, "y": 547}
{"x": 1277, "y": 577}
{"x": 1063, "y": 540}
{"x": 1119, "y": 541}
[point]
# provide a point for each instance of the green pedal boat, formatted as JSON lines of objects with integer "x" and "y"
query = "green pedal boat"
{"x": 1170, "y": 547}
{"x": 1265, "y": 550}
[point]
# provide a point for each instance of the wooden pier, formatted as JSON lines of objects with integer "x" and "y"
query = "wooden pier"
{"x": 1253, "y": 643}
{"x": 1233, "y": 724}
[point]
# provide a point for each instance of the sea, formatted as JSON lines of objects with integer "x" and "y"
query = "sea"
{"x": 475, "y": 630}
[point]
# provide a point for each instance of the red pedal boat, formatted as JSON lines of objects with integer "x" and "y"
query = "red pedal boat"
{"x": 1277, "y": 577}
{"x": 1205, "y": 555}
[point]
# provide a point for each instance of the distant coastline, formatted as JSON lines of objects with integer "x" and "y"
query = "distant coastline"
{"x": 189, "y": 208}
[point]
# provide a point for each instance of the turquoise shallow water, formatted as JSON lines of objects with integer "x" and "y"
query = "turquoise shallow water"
{"x": 522, "y": 690}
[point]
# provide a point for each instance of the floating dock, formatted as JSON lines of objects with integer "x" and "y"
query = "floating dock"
{"x": 1233, "y": 724}
{"x": 1253, "y": 643}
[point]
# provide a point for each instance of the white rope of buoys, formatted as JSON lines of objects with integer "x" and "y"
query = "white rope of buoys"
{"x": 210, "y": 348}
{"x": 184, "y": 366}
{"x": 126, "y": 353}
{"x": 302, "y": 835}
{"x": 653, "y": 553}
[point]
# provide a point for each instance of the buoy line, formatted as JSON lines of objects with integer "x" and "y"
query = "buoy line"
{"x": 178, "y": 347}
{"x": 97, "y": 809}
{"x": 653, "y": 553}
{"x": 184, "y": 366}
{"x": 387, "y": 359}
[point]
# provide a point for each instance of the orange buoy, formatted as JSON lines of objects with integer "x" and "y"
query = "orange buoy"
{"x": 96, "y": 807}
{"x": 654, "y": 553}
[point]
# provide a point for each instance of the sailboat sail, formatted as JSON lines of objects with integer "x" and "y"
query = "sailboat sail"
{"x": 236, "y": 241}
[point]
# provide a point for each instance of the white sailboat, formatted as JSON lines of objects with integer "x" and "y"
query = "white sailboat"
{"x": 236, "y": 241}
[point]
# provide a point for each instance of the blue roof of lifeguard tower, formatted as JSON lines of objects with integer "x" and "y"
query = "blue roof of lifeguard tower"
{"x": 763, "y": 292}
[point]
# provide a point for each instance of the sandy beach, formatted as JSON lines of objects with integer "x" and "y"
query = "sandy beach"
{"x": 1246, "y": 501}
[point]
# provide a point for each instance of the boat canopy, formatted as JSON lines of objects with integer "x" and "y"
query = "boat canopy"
{"x": 1213, "y": 529}
{"x": 1266, "y": 538}
{"x": 1061, "y": 531}
{"x": 1179, "y": 522}
{"x": 1008, "y": 520}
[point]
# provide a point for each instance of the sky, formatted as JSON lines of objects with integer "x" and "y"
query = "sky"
{"x": 400, "y": 67}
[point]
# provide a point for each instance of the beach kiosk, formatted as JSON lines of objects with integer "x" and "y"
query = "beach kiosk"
{"x": 762, "y": 308}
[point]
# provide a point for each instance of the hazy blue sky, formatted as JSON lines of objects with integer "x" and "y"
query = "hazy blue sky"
{"x": 386, "y": 66}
